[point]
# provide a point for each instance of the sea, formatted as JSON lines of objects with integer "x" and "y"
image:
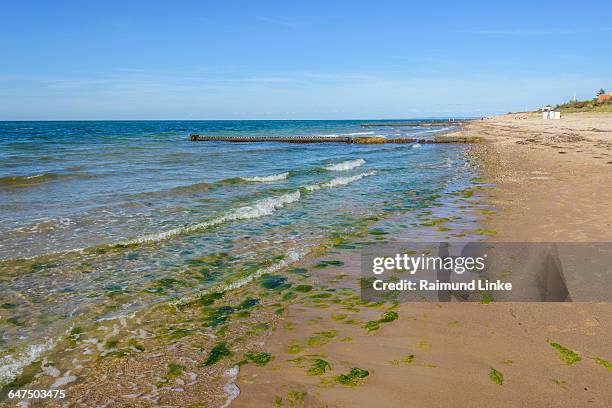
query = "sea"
{"x": 103, "y": 218}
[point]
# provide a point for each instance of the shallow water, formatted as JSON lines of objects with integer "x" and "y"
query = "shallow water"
{"x": 101, "y": 218}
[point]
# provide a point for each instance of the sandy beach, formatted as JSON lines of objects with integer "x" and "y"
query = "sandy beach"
{"x": 551, "y": 182}
{"x": 553, "y": 177}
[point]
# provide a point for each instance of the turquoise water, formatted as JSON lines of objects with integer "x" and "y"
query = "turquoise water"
{"x": 102, "y": 218}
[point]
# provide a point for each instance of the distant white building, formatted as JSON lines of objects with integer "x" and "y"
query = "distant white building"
{"x": 548, "y": 115}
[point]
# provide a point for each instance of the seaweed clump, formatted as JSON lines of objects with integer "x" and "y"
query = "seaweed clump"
{"x": 496, "y": 376}
{"x": 259, "y": 358}
{"x": 274, "y": 282}
{"x": 353, "y": 378}
{"x": 216, "y": 354}
{"x": 568, "y": 356}
{"x": 386, "y": 317}
{"x": 318, "y": 367}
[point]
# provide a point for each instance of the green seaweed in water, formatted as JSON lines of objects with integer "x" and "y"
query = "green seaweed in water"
{"x": 321, "y": 296}
{"x": 274, "y": 282}
{"x": 216, "y": 354}
{"x": 326, "y": 263}
{"x": 303, "y": 288}
{"x": 209, "y": 299}
{"x": 218, "y": 316}
{"x": 353, "y": 377}
{"x": 248, "y": 303}
{"x": 9, "y": 306}
{"x": 289, "y": 296}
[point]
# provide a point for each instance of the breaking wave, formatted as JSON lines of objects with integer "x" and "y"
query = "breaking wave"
{"x": 258, "y": 209}
{"x": 345, "y": 165}
{"x": 339, "y": 181}
{"x": 267, "y": 179}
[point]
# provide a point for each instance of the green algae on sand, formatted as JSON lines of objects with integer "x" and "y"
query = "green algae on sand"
{"x": 566, "y": 355}
{"x": 603, "y": 363}
{"x": 353, "y": 377}
{"x": 259, "y": 358}
{"x": 496, "y": 376}
{"x": 405, "y": 360}
{"x": 386, "y": 317}
{"x": 318, "y": 367}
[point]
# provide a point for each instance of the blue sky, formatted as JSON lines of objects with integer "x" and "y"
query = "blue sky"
{"x": 290, "y": 59}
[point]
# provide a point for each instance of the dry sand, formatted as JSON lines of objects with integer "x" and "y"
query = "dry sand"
{"x": 552, "y": 183}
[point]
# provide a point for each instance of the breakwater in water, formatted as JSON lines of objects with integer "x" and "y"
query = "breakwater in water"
{"x": 335, "y": 139}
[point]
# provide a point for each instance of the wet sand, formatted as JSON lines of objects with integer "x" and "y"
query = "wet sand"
{"x": 552, "y": 183}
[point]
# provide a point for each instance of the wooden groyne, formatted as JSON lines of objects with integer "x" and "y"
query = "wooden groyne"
{"x": 285, "y": 139}
{"x": 446, "y": 138}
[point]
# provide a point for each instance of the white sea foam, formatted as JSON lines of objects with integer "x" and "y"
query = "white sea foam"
{"x": 346, "y": 134}
{"x": 11, "y": 366}
{"x": 258, "y": 209}
{"x": 266, "y": 179}
{"x": 345, "y": 165}
{"x": 359, "y": 133}
{"x": 339, "y": 181}
{"x": 231, "y": 389}
{"x": 416, "y": 146}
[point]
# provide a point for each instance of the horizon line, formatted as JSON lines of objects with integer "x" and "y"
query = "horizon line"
{"x": 244, "y": 119}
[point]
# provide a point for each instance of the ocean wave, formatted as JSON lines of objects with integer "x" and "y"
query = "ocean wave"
{"x": 345, "y": 165}
{"x": 345, "y": 134}
{"x": 358, "y": 133}
{"x": 339, "y": 181}
{"x": 188, "y": 189}
{"x": 258, "y": 209}
{"x": 266, "y": 179}
{"x": 25, "y": 181}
